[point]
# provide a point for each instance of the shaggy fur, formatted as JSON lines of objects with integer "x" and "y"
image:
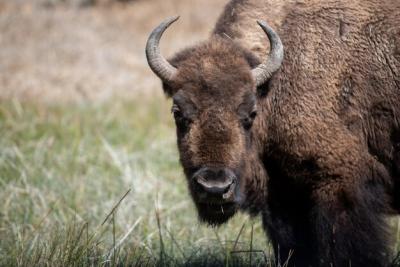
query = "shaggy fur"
{"x": 321, "y": 160}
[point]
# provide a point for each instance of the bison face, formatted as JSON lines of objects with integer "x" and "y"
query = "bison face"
{"x": 213, "y": 87}
{"x": 214, "y": 138}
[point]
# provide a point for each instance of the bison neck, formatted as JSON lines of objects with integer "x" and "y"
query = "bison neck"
{"x": 255, "y": 186}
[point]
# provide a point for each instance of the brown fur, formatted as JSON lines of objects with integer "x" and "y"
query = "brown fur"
{"x": 327, "y": 131}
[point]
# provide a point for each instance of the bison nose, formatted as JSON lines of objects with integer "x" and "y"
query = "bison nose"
{"x": 216, "y": 182}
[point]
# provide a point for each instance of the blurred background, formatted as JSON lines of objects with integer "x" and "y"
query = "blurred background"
{"x": 74, "y": 50}
{"x": 89, "y": 171}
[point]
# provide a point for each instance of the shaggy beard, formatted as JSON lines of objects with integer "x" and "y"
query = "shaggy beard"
{"x": 215, "y": 214}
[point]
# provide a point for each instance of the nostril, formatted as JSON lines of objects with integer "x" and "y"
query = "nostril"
{"x": 229, "y": 192}
{"x": 215, "y": 187}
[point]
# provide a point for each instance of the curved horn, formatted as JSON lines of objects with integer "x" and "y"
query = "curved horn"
{"x": 158, "y": 64}
{"x": 265, "y": 70}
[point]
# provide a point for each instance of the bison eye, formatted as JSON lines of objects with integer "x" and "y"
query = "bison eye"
{"x": 247, "y": 121}
{"x": 253, "y": 114}
{"x": 176, "y": 111}
{"x": 181, "y": 121}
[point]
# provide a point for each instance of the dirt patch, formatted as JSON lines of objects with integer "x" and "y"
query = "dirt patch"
{"x": 63, "y": 52}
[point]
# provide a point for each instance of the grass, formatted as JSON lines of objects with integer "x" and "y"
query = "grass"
{"x": 100, "y": 184}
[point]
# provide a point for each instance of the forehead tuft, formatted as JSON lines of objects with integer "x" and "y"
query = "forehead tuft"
{"x": 218, "y": 65}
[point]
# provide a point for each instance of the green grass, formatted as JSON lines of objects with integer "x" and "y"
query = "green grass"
{"x": 100, "y": 184}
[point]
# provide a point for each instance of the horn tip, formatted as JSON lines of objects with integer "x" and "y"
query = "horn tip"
{"x": 174, "y": 18}
{"x": 262, "y": 23}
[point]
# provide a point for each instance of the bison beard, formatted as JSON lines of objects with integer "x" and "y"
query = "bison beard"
{"x": 312, "y": 144}
{"x": 215, "y": 214}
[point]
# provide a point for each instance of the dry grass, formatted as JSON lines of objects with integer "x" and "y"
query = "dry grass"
{"x": 65, "y": 53}
{"x": 71, "y": 148}
{"x": 89, "y": 172}
{"x": 65, "y": 171}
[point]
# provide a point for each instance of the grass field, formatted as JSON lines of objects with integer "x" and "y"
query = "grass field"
{"x": 89, "y": 170}
{"x": 100, "y": 184}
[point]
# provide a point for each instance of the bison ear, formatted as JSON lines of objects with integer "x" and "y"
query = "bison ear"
{"x": 263, "y": 89}
{"x": 168, "y": 89}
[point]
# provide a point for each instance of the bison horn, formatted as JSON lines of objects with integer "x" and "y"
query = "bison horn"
{"x": 158, "y": 64}
{"x": 265, "y": 70}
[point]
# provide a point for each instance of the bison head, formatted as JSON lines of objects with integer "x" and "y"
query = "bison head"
{"x": 214, "y": 90}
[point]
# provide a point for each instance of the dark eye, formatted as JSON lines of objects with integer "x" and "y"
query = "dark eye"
{"x": 253, "y": 114}
{"x": 176, "y": 111}
{"x": 181, "y": 121}
{"x": 248, "y": 120}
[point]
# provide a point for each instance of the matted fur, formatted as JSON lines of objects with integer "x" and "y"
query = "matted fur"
{"x": 321, "y": 161}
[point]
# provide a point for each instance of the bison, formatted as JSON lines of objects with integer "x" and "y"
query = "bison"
{"x": 309, "y": 140}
